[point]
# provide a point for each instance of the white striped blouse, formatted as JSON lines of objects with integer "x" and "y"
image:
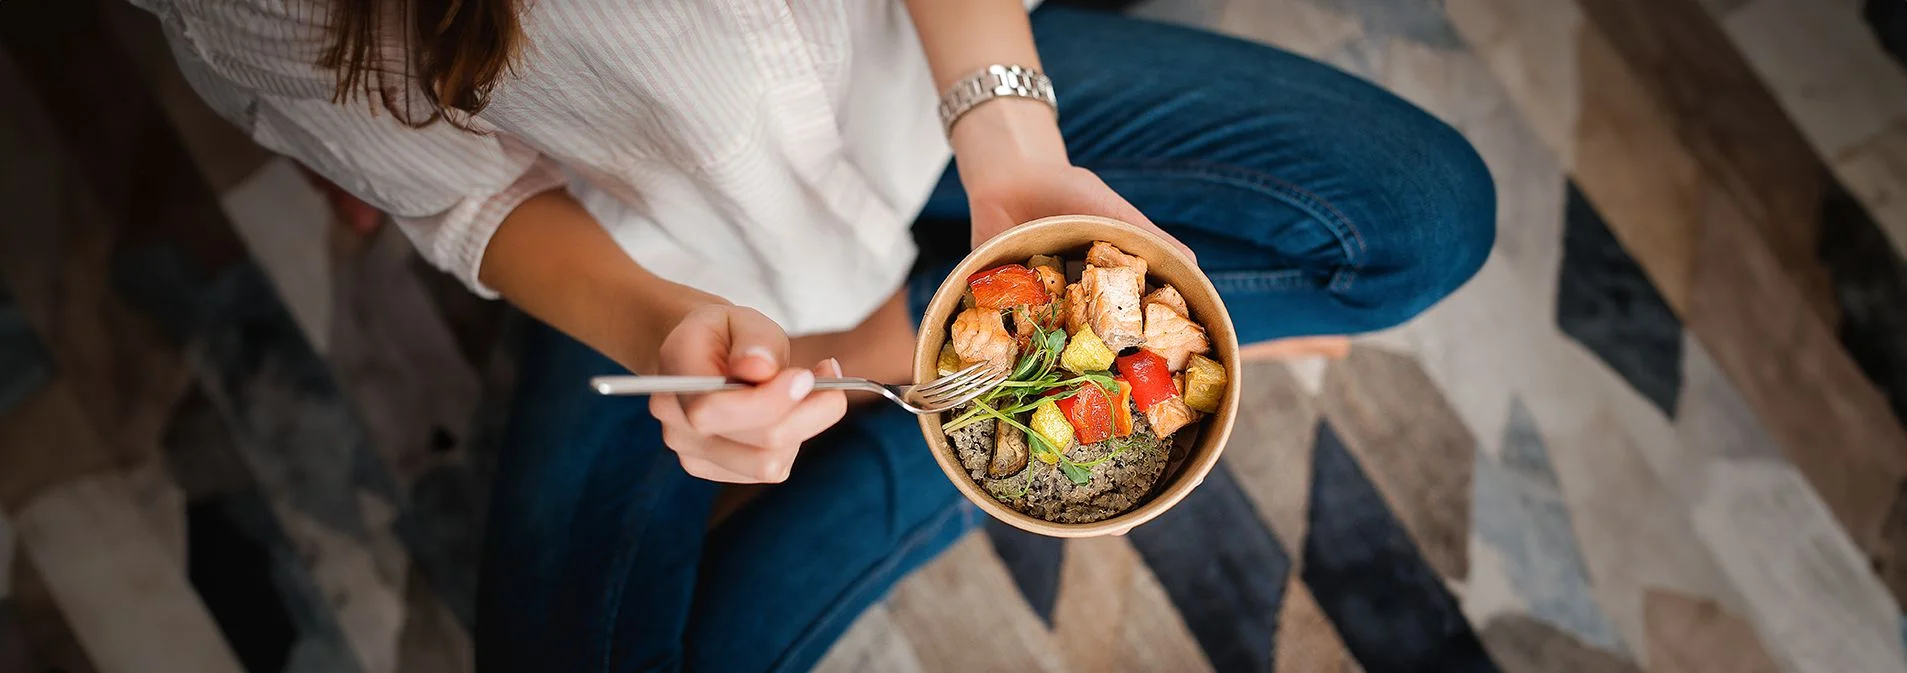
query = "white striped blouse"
{"x": 772, "y": 152}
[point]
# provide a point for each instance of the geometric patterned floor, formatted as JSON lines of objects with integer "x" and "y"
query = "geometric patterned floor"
{"x": 1661, "y": 431}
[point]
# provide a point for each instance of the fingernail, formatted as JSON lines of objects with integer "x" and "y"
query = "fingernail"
{"x": 803, "y": 384}
{"x": 834, "y": 367}
{"x": 759, "y": 352}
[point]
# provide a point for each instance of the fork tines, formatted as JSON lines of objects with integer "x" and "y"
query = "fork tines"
{"x": 963, "y": 385}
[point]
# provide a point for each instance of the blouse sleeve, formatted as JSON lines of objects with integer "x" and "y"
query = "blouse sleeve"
{"x": 447, "y": 188}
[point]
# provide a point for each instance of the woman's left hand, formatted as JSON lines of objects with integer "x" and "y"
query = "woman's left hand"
{"x": 1014, "y": 166}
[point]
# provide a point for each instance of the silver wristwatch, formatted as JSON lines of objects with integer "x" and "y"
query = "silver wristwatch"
{"x": 993, "y": 82}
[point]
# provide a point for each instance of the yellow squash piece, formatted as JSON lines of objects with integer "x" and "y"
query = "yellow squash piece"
{"x": 1204, "y": 383}
{"x": 1051, "y": 423}
{"x": 1086, "y": 353}
{"x": 949, "y": 360}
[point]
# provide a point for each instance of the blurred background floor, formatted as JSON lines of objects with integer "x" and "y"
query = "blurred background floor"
{"x": 1661, "y": 431}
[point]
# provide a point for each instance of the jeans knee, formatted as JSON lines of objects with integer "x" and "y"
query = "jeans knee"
{"x": 1464, "y": 228}
{"x": 1442, "y": 234}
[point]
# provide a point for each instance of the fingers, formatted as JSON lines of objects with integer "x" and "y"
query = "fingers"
{"x": 738, "y": 410}
{"x": 732, "y": 341}
{"x": 757, "y": 346}
{"x": 987, "y": 222}
{"x": 706, "y": 469}
{"x": 1121, "y": 209}
{"x": 1169, "y": 238}
{"x": 1133, "y": 216}
{"x": 1108, "y": 202}
{"x": 716, "y": 458}
{"x": 749, "y": 464}
{"x": 810, "y": 417}
{"x": 749, "y": 436}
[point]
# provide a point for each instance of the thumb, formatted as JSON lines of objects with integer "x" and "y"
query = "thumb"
{"x": 1108, "y": 202}
{"x": 757, "y": 346}
{"x": 987, "y": 221}
{"x": 1174, "y": 240}
{"x": 1134, "y": 217}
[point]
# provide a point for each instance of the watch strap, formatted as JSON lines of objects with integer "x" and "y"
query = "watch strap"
{"x": 995, "y": 81}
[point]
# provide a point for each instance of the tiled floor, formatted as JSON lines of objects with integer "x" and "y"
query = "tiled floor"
{"x": 1660, "y": 431}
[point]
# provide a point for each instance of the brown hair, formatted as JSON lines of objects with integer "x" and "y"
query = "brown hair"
{"x": 453, "y": 50}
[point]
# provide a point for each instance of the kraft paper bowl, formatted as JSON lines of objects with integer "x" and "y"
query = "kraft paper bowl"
{"x": 1069, "y": 236}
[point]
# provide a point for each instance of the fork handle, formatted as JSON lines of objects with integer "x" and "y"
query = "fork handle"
{"x": 653, "y": 385}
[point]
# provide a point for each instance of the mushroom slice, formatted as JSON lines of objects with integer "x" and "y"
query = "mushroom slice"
{"x": 1009, "y": 452}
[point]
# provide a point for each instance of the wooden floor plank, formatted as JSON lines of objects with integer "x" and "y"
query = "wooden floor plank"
{"x": 1841, "y": 87}
{"x": 185, "y": 269}
{"x": 1530, "y": 45}
{"x": 433, "y": 641}
{"x": 1803, "y": 583}
{"x": 1270, "y": 452}
{"x": 223, "y": 154}
{"x": 1633, "y": 532}
{"x": 1826, "y": 67}
{"x": 1692, "y": 635}
{"x": 367, "y": 591}
{"x": 1306, "y": 639}
{"x": 24, "y": 363}
{"x": 960, "y": 617}
{"x": 1624, "y": 135}
{"x": 873, "y": 645}
{"x": 128, "y": 602}
{"x": 1832, "y": 423}
{"x": 396, "y": 359}
{"x": 287, "y": 227}
{"x": 51, "y": 417}
{"x": 1090, "y": 614}
{"x": 55, "y": 252}
{"x": 1155, "y": 638}
{"x": 1739, "y": 299}
{"x": 1413, "y": 446}
{"x": 1876, "y": 172}
{"x": 49, "y": 638}
{"x": 15, "y": 655}
{"x": 1710, "y": 98}
{"x": 1524, "y": 645}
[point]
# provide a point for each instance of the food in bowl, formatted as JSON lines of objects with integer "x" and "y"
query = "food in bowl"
{"x": 1107, "y": 369}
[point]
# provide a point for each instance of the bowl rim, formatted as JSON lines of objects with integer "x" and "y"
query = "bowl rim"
{"x": 1191, "y": 473}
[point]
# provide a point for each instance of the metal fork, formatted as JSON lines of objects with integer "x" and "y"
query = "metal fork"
{"x": 932, "y": 397}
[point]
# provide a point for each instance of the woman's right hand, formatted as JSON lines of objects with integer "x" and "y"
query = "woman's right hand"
{"x": 741, "y": 436}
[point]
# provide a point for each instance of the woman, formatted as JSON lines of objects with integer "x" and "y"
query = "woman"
{"x": 726, "y": 188}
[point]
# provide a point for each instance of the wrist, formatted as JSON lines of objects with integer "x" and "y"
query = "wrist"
{"x": 655, "y": 309}
{"x": 1006, "y": 133}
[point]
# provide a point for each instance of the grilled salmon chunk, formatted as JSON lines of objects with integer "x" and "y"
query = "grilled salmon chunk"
{"x": 980, "y": 336}
{"x": 1112, "y": 304}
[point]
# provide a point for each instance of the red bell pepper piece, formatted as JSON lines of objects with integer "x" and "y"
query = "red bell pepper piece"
{"x": 1121, "y": 413}
{"x": 1151, "y": 379}
{"x": 1090, "y": 412}
{"x": 1007, "y": 286}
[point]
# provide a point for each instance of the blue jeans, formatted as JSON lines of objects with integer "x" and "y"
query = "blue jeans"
{"x": 1317, "y": 203}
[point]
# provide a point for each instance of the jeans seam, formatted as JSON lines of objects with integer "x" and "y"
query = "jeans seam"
{"x": 1260, "y": 281}
{"x": 915, "y": 539}
{"x": 1350, "y": 239}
